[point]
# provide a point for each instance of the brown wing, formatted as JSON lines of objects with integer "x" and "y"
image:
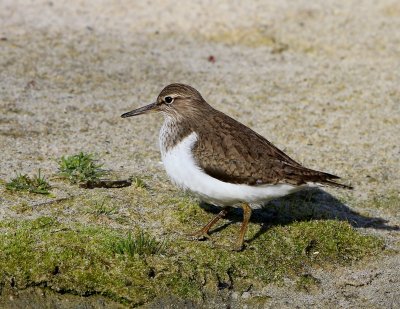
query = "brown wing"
{"x": 240, "y": 155}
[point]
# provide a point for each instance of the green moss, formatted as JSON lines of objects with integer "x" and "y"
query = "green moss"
{"x": 301, "y": 206}
{"x": 83, "y": 259}
{"x": 307, "y": 283}
{"x": 76, "y": 259}
{"x": 182, "y": 212}
{"x": 187, "y": 210}
{"x": 21, "y": 208}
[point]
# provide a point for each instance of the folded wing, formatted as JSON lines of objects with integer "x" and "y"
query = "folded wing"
{"x": 240, "y": 155}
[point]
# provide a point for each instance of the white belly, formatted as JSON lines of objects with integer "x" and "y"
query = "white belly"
{"x": 186, "y": 174}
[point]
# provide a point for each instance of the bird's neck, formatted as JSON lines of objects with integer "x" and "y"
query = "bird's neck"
{"x": 172, "y": 132}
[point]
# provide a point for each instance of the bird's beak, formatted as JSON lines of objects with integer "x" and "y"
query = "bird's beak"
{"x": 142, "y": 110}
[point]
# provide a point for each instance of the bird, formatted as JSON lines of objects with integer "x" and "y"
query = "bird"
{"x": 222, "y": 161}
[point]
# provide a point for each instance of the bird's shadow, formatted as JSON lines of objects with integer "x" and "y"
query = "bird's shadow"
{"x": 305, "y": 205}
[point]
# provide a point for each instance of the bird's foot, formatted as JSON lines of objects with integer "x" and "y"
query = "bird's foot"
{"x": 200, "y": 235}
{"x": 238, "y": 247}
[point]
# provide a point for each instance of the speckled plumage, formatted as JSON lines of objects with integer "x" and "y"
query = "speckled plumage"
{"x": 221, "y": 160}
{"x": 230, "y": 151}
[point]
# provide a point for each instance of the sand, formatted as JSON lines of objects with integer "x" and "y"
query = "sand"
{"x": 320, "y": 80}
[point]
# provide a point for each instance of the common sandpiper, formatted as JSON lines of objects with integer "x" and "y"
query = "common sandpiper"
{"x": 222, "y": 161}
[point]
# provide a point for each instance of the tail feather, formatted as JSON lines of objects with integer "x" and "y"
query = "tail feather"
{"x": 337, "y": 185}
{"x": 327, "y": 179}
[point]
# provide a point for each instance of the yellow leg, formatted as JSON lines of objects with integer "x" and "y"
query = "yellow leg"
{"x": 246, "y": 217}
{"x": 204, "y": 231}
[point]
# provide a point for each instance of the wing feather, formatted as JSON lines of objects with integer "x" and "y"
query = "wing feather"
{"x": 239, "y": 155}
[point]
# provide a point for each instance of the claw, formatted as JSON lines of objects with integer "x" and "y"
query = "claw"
{"x": 203, "y": 233}
{"x": 199, "y": 235}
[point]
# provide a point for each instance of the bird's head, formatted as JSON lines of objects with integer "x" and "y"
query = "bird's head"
{"x": 175, "y": 100}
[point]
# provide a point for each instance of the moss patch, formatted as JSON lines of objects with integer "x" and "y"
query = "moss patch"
{"x": 77, "y": 259}
{"x": 81, "y": 259}
{"x": 307, "y": 283}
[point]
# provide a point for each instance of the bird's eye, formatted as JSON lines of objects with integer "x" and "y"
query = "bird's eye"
{"x": 168, "y": 100}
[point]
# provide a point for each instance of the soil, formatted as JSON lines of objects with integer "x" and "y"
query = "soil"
{"x": 320, "y": 80}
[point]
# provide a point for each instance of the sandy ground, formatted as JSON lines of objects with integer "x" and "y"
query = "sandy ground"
{"x": 320, "y": 80}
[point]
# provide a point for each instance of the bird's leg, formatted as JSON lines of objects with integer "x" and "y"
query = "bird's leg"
{"x": 204, "y": 231}
{"x": 246, "y": 217}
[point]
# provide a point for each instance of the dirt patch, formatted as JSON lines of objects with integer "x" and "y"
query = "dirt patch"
{"x": 319, "y": 80}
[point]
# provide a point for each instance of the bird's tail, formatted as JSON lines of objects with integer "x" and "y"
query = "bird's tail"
{"x": 327, "y": 179}
{"x": 337, "y": 185}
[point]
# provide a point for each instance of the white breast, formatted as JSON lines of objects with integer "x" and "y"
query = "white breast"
{"x": 186, "y": 174}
